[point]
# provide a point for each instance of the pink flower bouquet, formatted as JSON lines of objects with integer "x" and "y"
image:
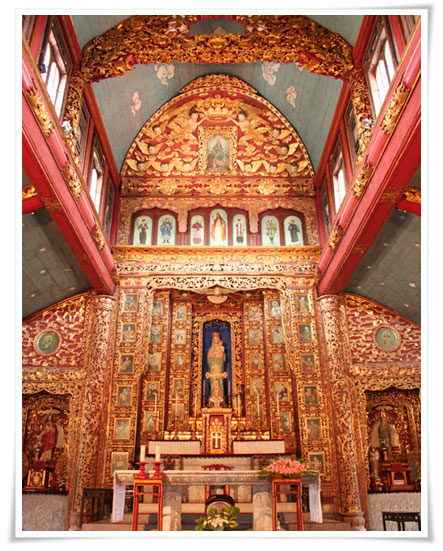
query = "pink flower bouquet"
{"x": 286, "y": 467}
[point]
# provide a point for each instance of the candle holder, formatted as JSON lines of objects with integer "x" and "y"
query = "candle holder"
{"x": 157, "y": 473}
{"x": 141, "y": 472}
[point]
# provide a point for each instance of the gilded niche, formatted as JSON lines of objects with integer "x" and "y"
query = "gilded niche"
{"x": 217, "y": 127}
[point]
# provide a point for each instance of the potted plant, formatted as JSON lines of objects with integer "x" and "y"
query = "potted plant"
{"x": 219, "y": 519}
{"x": 286, "y": 467}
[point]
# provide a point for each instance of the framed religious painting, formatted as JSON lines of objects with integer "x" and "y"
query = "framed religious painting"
{"x": 303, "y": 307}
{"x": 285, "y": 422}
{"x": 293, "y": 231}
{"x": 275, "y": 308}
{"x": 152, "y": 390}
{"x": 316, "y": 460}
{"x": 311, "y": 395}
{"x": 178, "y": 387}
{"x": 179, "y": 361}
{"x": 126, "y": 363}
{"x": 254, "y": 362}
{"x": 281, "y": 391}
{"x": 157, "y": 308}
{"x": 129, "y": 303}
{"x": 47, "y": 342}
{"x": 166, "y": 230}
{"x": 218, "y": 228}
{"x": 278, "y": 362}
{"x": 150, "y": 421}
{"x": 307, "y": 363}
{"x": 156, "y": 334}
{"x": 121, "y": 429}
{"x": 177, "y": 412}
{"x": 119, "y": 461}
{"x": 180, "y": 336}
{"x": 313, "y": 428}
{"x": 255, "y": 387}
{"x": 197, "y": 229}
{"x": 277, "y": 335}
{"x": 154, "y": 361}
{"x": 128, "y": 332}
{"x": 305, "y": 332}
{"x": 239, "y": 235}
{"x": 270, "y": 231}
{"x": 217, "y": 148}
{"x": 181, "y": 313}
{"x": 387, "y": 338}
{"x": 254, "y": 313}
{"x": 142, "y": 231}
{"x": 254, "y": 337}
{"x": 124, "y": 394}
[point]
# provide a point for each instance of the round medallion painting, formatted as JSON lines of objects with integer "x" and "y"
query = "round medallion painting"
{"x": 48, "y": 342}
{"x": 387, "y": 339}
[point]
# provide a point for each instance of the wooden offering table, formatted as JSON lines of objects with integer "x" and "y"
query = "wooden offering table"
{"x": 287, "y": 487}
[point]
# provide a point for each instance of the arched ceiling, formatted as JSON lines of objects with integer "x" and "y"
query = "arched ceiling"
{"x": 306, "y": 99}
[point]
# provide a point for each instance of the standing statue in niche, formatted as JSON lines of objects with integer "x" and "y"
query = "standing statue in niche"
{"x": 384, "y": 436}
{"x": 216, "y": 372}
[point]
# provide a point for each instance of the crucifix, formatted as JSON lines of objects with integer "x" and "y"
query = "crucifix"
{"x": 216, "y": 440}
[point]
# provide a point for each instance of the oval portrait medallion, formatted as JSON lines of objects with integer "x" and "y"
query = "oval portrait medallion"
{"x": 47, "y": 342}
{"x": 387, "y": 339}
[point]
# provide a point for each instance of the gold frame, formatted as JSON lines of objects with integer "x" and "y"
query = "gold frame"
{"x": 205, "y": 134}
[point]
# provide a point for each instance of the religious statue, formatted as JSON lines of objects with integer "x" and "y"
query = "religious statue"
{"x": 216, "y": 358}
{"x": 50, "y": 437}
{"x": 384, "y": 436}
{"x": 374, "y": 458}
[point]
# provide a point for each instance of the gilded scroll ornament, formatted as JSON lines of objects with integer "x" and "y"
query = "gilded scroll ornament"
{"x": 395, "y": 108}
{"x": 38, "y": 107}
{"x": 362, "y": 180}
{"x": 28, "y": 192}
{"x": 98, "y": 237}
{"x": 335, "y": 238}
{"x": 413, "y": 195}
{"x": 72, "y": 180}
{"x": 147, "y": 39}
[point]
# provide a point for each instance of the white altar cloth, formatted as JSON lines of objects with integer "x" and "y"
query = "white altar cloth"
{"x": 202, "y": 478}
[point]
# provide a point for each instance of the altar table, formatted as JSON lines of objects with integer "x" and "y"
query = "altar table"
{"x": 175, "y": 481}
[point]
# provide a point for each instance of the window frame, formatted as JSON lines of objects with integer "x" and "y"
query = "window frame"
{"x": 338, "y": 162}
{"x": 381, "y": 38}
{"x": 54, "y": 44}
{"x": 98, "y": 163}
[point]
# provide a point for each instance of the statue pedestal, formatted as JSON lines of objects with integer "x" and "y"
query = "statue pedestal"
{"x": 39, "y": 477}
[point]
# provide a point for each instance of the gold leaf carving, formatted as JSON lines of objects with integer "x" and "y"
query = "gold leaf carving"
{"x": 72, "y": 180}
{"x": 28, "y": 192}
{"x": 362, "y": 180}
{"x": 336, "y": 237}
{"x": 98, "y": 237}
{"x": 36, "y": 103}
{"x": 394, "y": 109}
{"x": 413, "y": 195}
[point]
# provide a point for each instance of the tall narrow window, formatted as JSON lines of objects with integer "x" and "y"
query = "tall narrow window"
{"x": 325, "y": 207}
{"x": 338, "y": 175}
{"x": 380, "y": 63}
{"x": 352, "y": 132}
{"x": 96, "y": 176}
{"x": 55, "y": 65}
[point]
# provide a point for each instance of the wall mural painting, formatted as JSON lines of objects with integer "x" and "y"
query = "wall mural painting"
{"x": 218, "y": 228}
{"x": 239, "y": 236}
{"x": 217, "y": 365}
{"x": 142, "y": 231}
{"x": 166, "y": 230}
{"x": 293, "y": 231}
{"x": 270, "y": 231}
{"x": 197, "y": 231}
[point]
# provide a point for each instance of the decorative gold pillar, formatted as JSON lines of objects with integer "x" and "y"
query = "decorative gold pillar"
{"x": 343, "y": 422}
{"x": 99, "y": 347}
